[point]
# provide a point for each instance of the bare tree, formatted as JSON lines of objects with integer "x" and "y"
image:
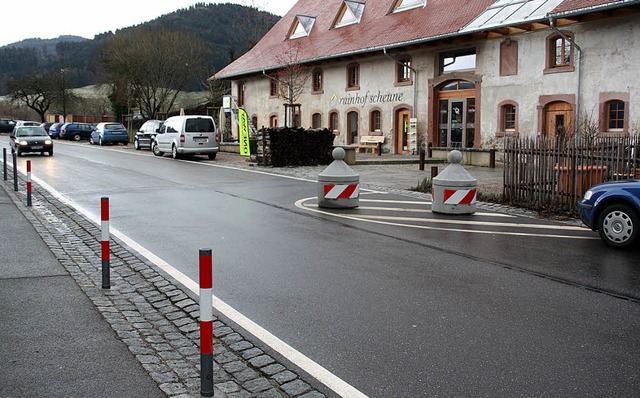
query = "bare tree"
{"x": 292, "y": 77}
{"x": 151, "y": 66}
{"x": 37, "y": 92}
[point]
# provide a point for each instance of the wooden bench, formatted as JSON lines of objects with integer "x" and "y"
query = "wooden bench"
{"x": 370, "y": 142}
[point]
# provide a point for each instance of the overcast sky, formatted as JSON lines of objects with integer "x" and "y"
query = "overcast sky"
{"x": 47, "y": 19}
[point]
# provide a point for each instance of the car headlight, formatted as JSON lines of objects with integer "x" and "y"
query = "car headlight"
{"x": 48, "y": 142}
{"x": 23, "y": 142}
{"x": 587, "y": 195}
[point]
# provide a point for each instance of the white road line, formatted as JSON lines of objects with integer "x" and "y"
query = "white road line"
{"x": 300, "y": 204}
{"x": 314, "y": 369}
{"x": 410, "y": 210}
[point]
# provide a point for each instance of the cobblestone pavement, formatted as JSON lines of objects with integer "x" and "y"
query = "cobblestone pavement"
{"x": 155, "y": 318}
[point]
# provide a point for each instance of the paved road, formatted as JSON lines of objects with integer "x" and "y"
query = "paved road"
{"x": 393, "y": 310}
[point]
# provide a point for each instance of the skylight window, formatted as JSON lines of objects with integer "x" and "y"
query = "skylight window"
{"x": 404, "y": 5}
{"x": 350, "y": 13}
{"x": 301, "y": 26}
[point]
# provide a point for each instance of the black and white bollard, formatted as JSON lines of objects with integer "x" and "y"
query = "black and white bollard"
{"x": 106, "y": 257}
{"x": 338, "y": 184}
{"x": 206, "y": 323}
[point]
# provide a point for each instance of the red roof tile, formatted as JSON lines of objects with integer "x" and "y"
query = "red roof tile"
{"x": 377, "y": 29}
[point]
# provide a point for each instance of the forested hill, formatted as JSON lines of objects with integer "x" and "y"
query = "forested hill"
{"x": 228, "y": 29}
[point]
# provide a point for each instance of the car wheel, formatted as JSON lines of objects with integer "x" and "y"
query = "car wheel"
{"x": 76, "y": 137}
{"x": 136, "y": 144}
{"x": 174, "y": 152}
{"x": 156, "y": 151}
{"x": 212, "y": 156}
{"x": 618, "y": 225}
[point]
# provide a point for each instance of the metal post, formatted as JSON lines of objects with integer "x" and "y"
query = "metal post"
{"x": 4, "y": 163}
{"x": 206, "y": 323}
{"x": 15, "y": 172}
{"x": 28, "y": 183}
{"x": 434, "y": 172}
{"x": 421, "y": 167}
{"x": 492, "y": 159}
{"x": 429, "y": 150}
{"x": 106, "y": 271}
{"x": 379, "y": 148}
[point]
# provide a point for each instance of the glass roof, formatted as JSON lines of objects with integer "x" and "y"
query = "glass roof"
{"x": 511, "y": 12}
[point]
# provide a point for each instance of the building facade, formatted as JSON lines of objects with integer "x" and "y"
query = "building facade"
{"x": 448, "y": 73}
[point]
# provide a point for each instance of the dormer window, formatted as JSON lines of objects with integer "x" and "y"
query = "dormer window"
{"x": 350, "y": 13}
{"x": 404, "y": 5}
{"x": 301, "y": 26}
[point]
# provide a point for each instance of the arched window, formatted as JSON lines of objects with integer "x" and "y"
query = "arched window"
{"x": 316, "y": 121}
{"x": 273, "y": 121}
{"x": 333, "y": 123}
{"x": 273, "y": 88}
{"x": 508, "y": 119}
{"x": 375, "y": 121}
{"x": 559, "y": 53}
{"x": 254, "y": 120}
{"x": 615, "y": 115}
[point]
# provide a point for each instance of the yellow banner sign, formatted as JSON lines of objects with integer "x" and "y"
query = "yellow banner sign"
{"x": 243, "y": 122}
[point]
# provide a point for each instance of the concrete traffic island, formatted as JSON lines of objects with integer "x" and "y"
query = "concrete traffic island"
{"x": 454, "y": 189}
{"x": 338, "y": 184}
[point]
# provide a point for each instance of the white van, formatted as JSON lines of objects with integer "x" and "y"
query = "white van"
{"x": 187, "y": 135}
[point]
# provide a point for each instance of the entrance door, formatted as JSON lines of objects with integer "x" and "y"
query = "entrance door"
{"x": 456, "y": 115}
{"x": 402, "y": 127}
{"x": 352, "y": 128}
{"x": 558, "y": 120}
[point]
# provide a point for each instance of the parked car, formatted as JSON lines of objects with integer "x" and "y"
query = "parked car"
{"x": 187, "y": 135}
{"x": 24, "y": 139}
{"x": 613, "y": 209}
{"x": 76, "y": 131}
{"x": 54, "y": 130}
{"x": 146, "y": 134}
{"x": 46, "y": 126}
{"x": 109, "y": 132}
{"x": 7, "y": 125}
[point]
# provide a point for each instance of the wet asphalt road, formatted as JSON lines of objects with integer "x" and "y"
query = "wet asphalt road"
{"x": 393, "y": 306}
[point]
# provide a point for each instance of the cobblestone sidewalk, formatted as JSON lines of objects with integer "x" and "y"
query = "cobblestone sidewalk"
{"x": 157, "y": 321}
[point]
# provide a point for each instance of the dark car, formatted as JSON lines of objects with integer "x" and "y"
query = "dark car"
{"x": 7, "y": 125}
{"x": 46, "y": 126}
{"x": 54, "y": 130}
{"x": 76, "y": 131}
{"x": 613, "y": 209}
{"x": 26, "y": 139}
{"x": 147, "y": 133}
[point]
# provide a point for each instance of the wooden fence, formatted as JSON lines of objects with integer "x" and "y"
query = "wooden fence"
{"x": 554, "y": 174}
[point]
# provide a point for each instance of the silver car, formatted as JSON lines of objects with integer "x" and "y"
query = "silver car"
{"x": 186, "y": 136}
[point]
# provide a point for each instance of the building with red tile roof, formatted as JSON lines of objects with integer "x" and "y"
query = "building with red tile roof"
{"x": 445, "y": 73}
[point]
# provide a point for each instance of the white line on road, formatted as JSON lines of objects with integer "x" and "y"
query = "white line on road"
{"x": 372, "y": 219}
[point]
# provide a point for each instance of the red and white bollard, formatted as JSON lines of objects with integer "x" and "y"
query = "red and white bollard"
{"x": 28, "y": 183}
{"x": 206, "y": 323}
{"x": 106, "y": 272}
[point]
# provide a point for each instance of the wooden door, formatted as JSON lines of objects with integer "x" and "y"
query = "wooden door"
{"x": 558, "y": 120}
{"x": 402, "y": 131}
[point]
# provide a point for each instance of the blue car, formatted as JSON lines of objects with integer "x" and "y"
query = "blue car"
{"x": 109, "y": 132}
{"x": 613, "y": 209}
{"x": 54, "y": 130}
